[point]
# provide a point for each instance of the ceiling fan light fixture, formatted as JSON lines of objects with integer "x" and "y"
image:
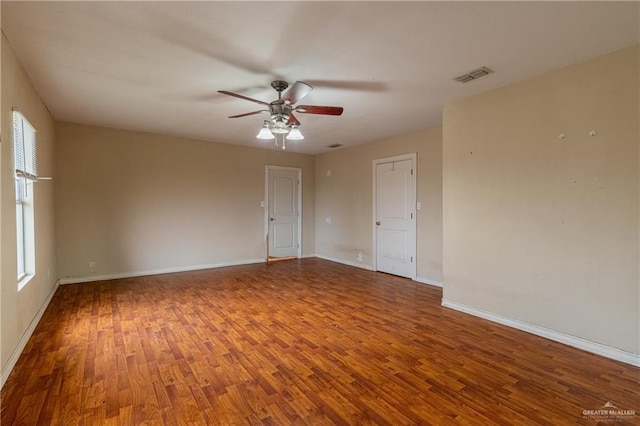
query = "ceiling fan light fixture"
{"x": 295, "y": 134}
{"x": 280, "y": 127}
{"x": 265, "y": 133}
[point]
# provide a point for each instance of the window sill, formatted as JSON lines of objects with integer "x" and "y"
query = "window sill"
{"x": 24, "y": 281}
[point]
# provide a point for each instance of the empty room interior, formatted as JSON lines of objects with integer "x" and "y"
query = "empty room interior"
{"x": 320, "y": 213}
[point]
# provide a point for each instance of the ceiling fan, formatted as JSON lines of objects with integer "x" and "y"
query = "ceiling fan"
{"x": 281, "y": 110}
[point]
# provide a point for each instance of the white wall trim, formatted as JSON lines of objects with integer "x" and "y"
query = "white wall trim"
{"x": 567, "y": 339}
{"x": 345, "y": 262}
{"x": 15, "y": 355}
{"x": 119, "y": 275}
{"x": 429, "y": 282}
{"x": 370, "y": 268}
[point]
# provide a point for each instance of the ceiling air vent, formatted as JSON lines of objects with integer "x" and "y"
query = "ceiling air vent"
{"x": 335, "y": 145}
{"x": 473, "y": 75}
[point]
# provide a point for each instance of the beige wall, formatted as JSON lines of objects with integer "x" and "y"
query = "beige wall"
{"x": 137, "y": 202}
{"x": 545, "y": 230}
{"x": 2, "y": 41}
{"x": 18, "y": 309}
{"x": 347, "y": 197}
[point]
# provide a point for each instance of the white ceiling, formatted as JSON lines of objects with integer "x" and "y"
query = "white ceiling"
{"x": 157, "y": 66}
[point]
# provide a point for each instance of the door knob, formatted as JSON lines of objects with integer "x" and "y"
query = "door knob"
{"x": 271, "y": 219}
{"x": 378, "y": 223}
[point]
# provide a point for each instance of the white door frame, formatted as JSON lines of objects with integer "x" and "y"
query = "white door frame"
{"x": 267, "y": 168}
{"x": 414, "y": 158}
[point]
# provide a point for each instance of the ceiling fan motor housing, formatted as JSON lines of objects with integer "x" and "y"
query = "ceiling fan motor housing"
{"x": 280, "y": 109}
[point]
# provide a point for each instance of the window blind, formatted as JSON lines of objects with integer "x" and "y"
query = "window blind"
{"x": 24, "y": 147}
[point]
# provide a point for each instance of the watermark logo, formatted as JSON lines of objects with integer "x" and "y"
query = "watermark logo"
{"x": 609, "y": 413}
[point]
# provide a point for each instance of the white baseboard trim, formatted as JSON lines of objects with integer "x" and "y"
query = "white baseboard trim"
{"x": 17, "y": 351}
{"x": 345, "y": 262}
{"x": 429, "y": 282}
{"x": 567, "y": 339}
{"x": 170, "y": 270}
{"x": 370, "y": 268}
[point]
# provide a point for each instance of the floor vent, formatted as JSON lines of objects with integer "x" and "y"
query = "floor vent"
{"x": 473, "y": 75}
{"x": 335, "y": 145}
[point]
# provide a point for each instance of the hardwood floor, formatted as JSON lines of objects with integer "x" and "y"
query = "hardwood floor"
{"x": 297, "y": 342}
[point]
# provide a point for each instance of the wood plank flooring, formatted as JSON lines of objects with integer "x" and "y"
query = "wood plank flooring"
{"x": 297, "y": 342}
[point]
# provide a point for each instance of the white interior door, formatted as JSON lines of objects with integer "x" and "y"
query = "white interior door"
{"x": 283, "y": 212}
{"x": 395, "y": 217}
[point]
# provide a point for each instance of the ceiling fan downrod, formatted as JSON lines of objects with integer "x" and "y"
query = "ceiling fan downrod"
{"x": 279, "y": 86}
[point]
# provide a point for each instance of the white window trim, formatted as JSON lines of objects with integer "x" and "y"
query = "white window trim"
{"x": 25, "y": 168}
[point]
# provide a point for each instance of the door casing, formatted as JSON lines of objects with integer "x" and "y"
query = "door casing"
{"x": 413, "y": 157}
{"x": 268, "y": 168}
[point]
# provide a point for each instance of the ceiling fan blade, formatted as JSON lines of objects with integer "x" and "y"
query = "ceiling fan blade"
{"x": 293, "y": 121}
{"x": 297, "y": 91}
{"x": 248, "y": 113}
{"x": 362, "y": 86}
{"x": 246, "y": 98}
{"x": 317, "y": 109}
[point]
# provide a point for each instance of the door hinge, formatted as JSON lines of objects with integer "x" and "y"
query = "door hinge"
{"x": 411, "y": 215}
{"x": 411, "y": 172}
{"x": 411, "y": 259}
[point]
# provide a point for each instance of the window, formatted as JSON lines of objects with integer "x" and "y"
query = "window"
{"x": 24, "y": 154}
